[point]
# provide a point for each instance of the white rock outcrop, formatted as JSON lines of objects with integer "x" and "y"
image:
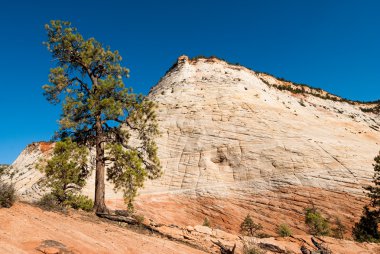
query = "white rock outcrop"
{"x": 229, "y": 133}
{"x": 223, "y": 127}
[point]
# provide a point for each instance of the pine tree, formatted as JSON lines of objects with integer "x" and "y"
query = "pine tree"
{"x": 249, "y": 227}
{"x": 374, "y": 190}
{"x": 367, "y": 228}
{"x": 100, "y": 112}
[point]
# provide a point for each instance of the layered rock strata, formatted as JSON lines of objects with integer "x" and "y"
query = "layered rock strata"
{"x": 234, "y": 141}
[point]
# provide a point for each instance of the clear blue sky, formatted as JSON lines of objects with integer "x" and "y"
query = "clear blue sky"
{"x": 334, "y": 45}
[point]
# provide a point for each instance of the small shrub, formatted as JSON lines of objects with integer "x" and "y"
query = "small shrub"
{"x": 339, "y": 229}
{"x": 49, "y": 202}
{"x": 80, "y": 202}
{"x": 317, "y": 224}
{"x": 249, "y": 227}
{"x": 206, "y": 222}
{"x": 284, "y": 230}
{"x": 7, "y": 195}
{"x": 139, "y": 218}
{"x": 249, "y": 247}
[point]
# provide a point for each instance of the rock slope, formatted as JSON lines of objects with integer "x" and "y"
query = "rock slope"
{"x": 27, "y": 229}
{"x": 235, "y": 141}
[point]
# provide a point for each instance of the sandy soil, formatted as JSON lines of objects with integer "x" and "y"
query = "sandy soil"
{"x": 24, "y": 228}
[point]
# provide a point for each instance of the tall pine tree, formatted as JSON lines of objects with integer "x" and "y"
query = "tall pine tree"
{"x": 100, "y": 112}
{"x": 367, "y": 228}
{"x": 374, "y": 190}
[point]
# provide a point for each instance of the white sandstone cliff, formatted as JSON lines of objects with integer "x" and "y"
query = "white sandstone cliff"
{"x": 233, "y": 143}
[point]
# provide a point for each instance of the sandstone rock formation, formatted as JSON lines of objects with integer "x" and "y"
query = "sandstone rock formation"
{"x": 206, "y": 238}
{"x": 235, "y": 141}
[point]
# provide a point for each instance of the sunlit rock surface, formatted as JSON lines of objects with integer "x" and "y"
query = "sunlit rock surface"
{"x": 232, "y": 143}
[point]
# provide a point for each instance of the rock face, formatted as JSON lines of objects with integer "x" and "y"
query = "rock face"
{"x": 235, "y": 141}
{"x": 23, "y": 170}
{"x": 232, "y": 143}
{"x": 207, "y": 239}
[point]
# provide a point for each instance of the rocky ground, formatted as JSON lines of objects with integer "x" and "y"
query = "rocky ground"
{"x": 28, "y": 229}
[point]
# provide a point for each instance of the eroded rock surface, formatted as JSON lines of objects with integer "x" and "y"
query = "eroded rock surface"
{"x": 232, "y": 143}
{"x": 209, "y": 238}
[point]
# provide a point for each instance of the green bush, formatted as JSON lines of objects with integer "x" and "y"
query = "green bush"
{"x": 317, "y": 224}
{"x": 49, "y": 202}
{"x": 206, "y": 222}
{"x": 139, "y": 218}
{"x": 66, "y": 171}
{"x": 284, "y": 230}
{"x": 7, "y": 195}
{"x": 80, "y": 202}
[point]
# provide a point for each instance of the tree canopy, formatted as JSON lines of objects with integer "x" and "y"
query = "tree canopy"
{"x": 99, "y": 111}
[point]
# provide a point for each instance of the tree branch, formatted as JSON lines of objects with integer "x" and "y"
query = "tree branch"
{"x": 130, "y": 125}
{"x": 82, "y": 84}
{"x": 108, "y": 159}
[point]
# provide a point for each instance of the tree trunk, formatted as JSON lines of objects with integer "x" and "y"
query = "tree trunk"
{"x": 99, "y": 205}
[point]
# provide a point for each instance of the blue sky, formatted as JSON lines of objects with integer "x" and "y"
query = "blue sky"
{"x": 334, "y": 45}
